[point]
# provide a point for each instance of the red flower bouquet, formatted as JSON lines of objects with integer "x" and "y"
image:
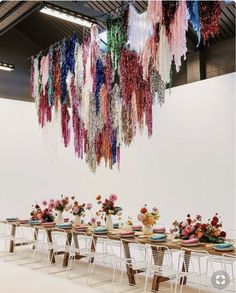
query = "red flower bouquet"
{"x": 194, "y": 228}
{"x": 39, "y": 213}
{"x": 108, "y": 205}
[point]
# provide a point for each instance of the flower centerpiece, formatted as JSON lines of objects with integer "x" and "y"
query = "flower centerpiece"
{"x": 194, "y": 228}
{"x": 148, "y": 219}
{"x": 78, "y": 210}
{"x": 129, "y": 224}
{"x": 61, "y": 205}
{"x": 108, "y": 208}
{"x": 44, "y": 214}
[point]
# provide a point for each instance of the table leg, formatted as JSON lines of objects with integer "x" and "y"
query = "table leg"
{"x": 13, "y": 233}
{"x": 93, "y": 246}
{"x": 67, "y": 254}
{"x": 130, "y": 271}
{"x": 49, "y": 239}
{"x": 185, "y": 266}
{"x": 36, "y": 232}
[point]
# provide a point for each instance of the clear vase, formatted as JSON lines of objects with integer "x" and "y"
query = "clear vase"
{"x": 109, "y": 224}
{"x": 77, "y": 221}
{"x": 147, "y": 230}
{"x": 59, "y": 218}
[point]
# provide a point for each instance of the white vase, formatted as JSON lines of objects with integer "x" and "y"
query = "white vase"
{"x": 59, "y": 218}
{"x": 109, "y": 224}
{"x": 129, "y": 227}
{"x": 147, "y": 230}
{"x": 77, "y": 221}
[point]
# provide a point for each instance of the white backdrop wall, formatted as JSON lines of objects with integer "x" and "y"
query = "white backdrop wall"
{"x": 188, "y": 166}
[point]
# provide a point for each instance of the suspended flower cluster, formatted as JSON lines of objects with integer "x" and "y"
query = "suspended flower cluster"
{"x": 105, "y": 97}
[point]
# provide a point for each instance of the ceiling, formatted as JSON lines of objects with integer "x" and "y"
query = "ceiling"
{"x": 45, "y": 30}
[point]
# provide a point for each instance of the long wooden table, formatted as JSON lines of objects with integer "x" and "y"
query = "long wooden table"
{"x": 113, "y": 236}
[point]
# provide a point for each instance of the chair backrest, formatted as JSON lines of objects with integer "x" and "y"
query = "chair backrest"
{"x": 103, "y": 244}
{"x": 5, "y": 229}
{"x": 40, "y": 235}
{"x": 134, "y": 252}
{"x": 59, "y": 238}
{"x": 81, "y": 241}
{"x": 194, "y": 261}
{"x": 228, "y": 263}
{"x": 161, "y": 256}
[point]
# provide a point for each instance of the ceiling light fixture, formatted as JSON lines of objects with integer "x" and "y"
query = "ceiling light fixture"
{"x": 66, "y": 15}
{"x": 6, "y": 66}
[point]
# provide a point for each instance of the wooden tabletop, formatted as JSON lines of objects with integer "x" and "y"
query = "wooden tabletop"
{"x": 140, "y": 237}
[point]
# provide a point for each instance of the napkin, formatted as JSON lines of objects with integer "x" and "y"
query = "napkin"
{"x": 159, "y": 230}
{"x": 34, "y": 222}
{"x": 191, "y": 241}
{"x": 137, "y": 228}
{"x": 100, "y": 229}
{"x": 223, "y": 245}
{"x": 64, "y": 225}
{"x": 127, "y": 233}
{"x": 11, "y": 219}
{"x": 158, "y": 237}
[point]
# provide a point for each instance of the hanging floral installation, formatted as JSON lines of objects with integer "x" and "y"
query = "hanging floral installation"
{"x": 103, "y": 99}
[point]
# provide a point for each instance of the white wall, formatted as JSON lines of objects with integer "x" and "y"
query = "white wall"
{"x": 187, "y": 166}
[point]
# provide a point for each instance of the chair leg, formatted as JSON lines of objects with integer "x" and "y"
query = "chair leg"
{"x": 171, "y": 286}
{"x": 176, "y": 283}
{"x": 146, "y": 281}
{"x": 181, "y": 286}
{"x": 114, "y": 276}
{"x": 91, "y": 271}
{"x": 121, "y": 279}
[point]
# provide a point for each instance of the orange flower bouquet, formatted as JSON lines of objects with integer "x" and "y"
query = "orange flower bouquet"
{"x": 148, "y": 218}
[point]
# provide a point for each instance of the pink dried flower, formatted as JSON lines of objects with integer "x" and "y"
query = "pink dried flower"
{"x": 93, "y": 220}
{"x": 185, "y": 233}
{"x": 44, "y": 203}
{"x": 88, "y": 206}
{"x": 155, "y": 209}
{"x": 141, "y": 217}
{"x": 189, "y": 228}
{"x": 51, "y": 200}
{"x": 184, "y": 224}
{"x": 51, "y": 205}
{"x": 113, "y": 197}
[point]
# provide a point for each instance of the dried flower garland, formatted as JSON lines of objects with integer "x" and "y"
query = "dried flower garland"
{"x": 105, "y": 98}
{"x": 115, "y": 38}
{"x": 209, "y": 12}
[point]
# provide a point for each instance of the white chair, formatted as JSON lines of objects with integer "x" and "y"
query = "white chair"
{"x": 81, "y": 247}
{"x": 161, "y": 265}
{"x": 102, "y": 252}
{"x": 225, "y": 262}
{"x": 195, "y": 268}
{"x": 135, "y": 258}
{"x": 59, "y": 244}
{"x": 40, "y": 249}
{"x": 21, "y": 242}
{"x": 228, "y": 263}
